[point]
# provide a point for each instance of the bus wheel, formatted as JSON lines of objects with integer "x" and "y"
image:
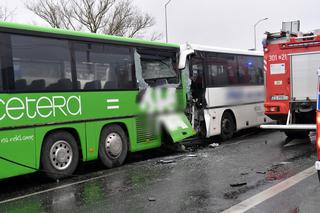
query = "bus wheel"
{"x": 113, "y": 147}
{"x": 60, "y": 155}
{"x": 227, "y": 126}
{"x": 297, "y": 134}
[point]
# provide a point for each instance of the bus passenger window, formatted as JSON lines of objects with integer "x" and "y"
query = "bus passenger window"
{"x": 221, "y": 70}
{"x": 40, "y": 63}
{"x": 250, "y": 70}
{"x": 101, "y": 66}
{"x": 1, "y": 70}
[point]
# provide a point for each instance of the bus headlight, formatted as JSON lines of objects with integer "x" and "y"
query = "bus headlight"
{"x": 279, "y": 98}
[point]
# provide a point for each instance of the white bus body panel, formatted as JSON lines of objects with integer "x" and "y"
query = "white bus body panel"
{"x": 246, "y": 104}
{"x": 304, "y": 76}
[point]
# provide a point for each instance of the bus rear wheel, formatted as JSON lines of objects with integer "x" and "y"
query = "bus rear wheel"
{"x": 113, "y": 146}
{"x": 227, "y": 126}
{"x": 60, "y": 155}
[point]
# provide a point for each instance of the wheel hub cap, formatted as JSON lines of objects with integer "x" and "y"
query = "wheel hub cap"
{"x": 61, "y": 155}
{"x": 113, "y": 145}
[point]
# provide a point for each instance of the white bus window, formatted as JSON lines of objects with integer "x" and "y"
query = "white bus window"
{"x": 250, "y": 70}
{"x": 40, "y": 63}
{"x": 221, "y": 70}
{"x": 197, "y": 83}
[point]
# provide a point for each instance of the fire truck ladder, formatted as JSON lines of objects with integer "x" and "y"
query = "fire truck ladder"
{"x": 289, "y": 125}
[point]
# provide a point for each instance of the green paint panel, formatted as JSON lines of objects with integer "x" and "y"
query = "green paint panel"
{"x": 17, "y": 146}
{"x": 179, "y": 127}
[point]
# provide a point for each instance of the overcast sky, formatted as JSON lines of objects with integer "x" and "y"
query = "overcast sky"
{"x": 223, "y": 23}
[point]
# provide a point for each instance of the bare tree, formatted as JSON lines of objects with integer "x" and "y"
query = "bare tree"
{"x": 5, "y": 13}
{"x": 114, "y": 17}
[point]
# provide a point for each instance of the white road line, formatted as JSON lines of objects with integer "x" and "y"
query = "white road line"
{"x": 59, "y": 187}
{"x": 270, "y": 192}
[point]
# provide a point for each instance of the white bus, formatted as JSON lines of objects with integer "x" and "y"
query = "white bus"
{"x": 226, "y": 89}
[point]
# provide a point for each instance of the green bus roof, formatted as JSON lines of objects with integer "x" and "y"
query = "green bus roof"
{"x": 65, "y": 32}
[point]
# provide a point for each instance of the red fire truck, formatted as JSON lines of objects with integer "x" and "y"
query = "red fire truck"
{"x": 291, "y": 61}
{"x": 317, "y": 164}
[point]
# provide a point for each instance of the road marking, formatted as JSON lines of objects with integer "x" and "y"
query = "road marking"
{"x": 270, "y": 192}
{"x": 60, "y": 187}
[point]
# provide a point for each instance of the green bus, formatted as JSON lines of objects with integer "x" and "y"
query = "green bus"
{"x": 67, "y": 97}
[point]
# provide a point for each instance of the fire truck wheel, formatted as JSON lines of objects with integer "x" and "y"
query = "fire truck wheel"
{"x": 297, "y": 134}
{"x": 228, "y": 126}
{"x": 113, "y": 147}
{"x": 59, "y": 155}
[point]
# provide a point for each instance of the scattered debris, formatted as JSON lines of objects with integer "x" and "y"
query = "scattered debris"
{"x": 151, "y": 199}
{"x": 277, "y": 172}
{"x": 244, "y": 173}
{"x": 166, "y": 161}
{"x": 213, "y": 145}
{"x": 281, "y": 163}
{"x": 261, "y": 172}
{"x": 265, "y": 142}
{"x": 238, "y": 184}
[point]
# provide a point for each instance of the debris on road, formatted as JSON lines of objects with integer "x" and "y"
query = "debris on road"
{"x": 261, "y": 172}
{"x": 213, "y": 145}
{"x": 244, "y": 173}
{"x": 192, "y": 156}
{"x": 166, "y": 161}
{"x": 238, "y": 184}
{"x": 152, "y": 199}
{"x": 281, "y": 163}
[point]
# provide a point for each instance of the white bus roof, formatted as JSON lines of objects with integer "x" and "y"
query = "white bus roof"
{"x": 221, "y": 50}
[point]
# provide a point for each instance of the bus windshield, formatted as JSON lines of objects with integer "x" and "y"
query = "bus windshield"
{"x": 158, "y": 70}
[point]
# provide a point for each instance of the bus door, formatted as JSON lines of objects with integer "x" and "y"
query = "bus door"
{"x": 197, "y": 81}
{"x": 197, "y": 88}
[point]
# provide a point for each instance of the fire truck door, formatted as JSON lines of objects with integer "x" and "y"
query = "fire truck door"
{"x": 304, "y": 76}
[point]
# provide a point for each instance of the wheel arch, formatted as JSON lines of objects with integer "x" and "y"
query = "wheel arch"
{"x": 70, "y": 130}
{"x": 233, "y": 117}
{"x": 123, "y": 126}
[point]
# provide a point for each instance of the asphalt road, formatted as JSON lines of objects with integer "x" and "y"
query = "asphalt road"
{"x": 202, "y": 179}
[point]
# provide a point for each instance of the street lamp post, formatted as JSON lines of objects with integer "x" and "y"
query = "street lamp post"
{"x": 255, "y": 32}
{"x": 166, "y": 18}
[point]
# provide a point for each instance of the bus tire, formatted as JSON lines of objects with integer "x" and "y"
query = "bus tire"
{"x": 227, "y": 126}
{"x": 113, "y": 146}
{"x": 297, "y": 134}
{"x": 59, "y": 155}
